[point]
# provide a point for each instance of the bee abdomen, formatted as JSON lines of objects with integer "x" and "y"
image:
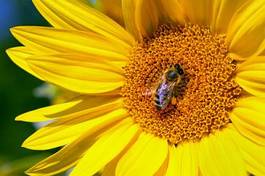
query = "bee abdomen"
{"x": 160, "y": 101}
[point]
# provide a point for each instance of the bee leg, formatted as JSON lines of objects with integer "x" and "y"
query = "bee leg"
{"x": 174, "y": 96}
{"x": 174, "y": 101}
{"x": 175, "y": 92}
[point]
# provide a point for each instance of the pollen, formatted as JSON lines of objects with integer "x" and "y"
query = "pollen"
{"x": 204, "y": 100}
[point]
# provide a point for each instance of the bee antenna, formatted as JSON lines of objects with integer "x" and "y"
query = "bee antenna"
{"x": 179, "y": 69}
{"x": 177, "y": 66}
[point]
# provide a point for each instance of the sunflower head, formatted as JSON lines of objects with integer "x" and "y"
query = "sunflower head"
{"x": 205, "y": 94}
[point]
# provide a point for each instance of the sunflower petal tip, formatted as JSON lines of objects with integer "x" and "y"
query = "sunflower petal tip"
{"x": 28, "y": 145}
{"x": 27, "y": 172}
{"x": 30, "y": 171}
{"x": 22, "y": 117}
{"x": 14, "y": 29}
{"x": 19, "y": 118}
{"x": 18, "y": 30}
{"x": 8, "y": 51}
{"x": 25, "y": 144}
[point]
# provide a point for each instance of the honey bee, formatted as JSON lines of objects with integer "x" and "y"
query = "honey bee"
{"x": 169, "y": 86}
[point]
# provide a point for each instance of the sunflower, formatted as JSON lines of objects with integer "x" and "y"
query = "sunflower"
{"x": 212, "y": 119}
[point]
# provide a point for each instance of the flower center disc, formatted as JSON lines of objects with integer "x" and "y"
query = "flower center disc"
{"x": 205, "y": 98}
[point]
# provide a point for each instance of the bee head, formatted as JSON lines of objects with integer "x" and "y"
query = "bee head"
{"x": 179, "y": 69}
{"x": 173, "y": 73}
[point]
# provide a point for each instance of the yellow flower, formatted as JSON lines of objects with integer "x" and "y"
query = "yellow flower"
{"x": 213, "y": 123}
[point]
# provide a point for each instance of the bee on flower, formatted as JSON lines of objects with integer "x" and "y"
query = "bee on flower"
{"x": 215, "y": 123}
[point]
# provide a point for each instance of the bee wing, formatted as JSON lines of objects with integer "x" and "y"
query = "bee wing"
{"x": 165, "y": 92}
{"x": 170, "y": 91}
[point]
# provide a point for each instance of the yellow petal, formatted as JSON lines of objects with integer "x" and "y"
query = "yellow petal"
{"x": 89, "y": 61}
{"x": 223, "y": 11}
{"x": 41, "y": 114}
{"x": 64, "y": 131}
{"x": 112, "y": 8}
{"x": 77, "y": 14}
{"x": 19, "y": 55}
{"x": 249, "y": 123}
{"x": 141, "y": 17}
{"x": 68, "y": 156}
{"x": 174, "y": 160}
{"x": 183, "y": 160}
{"x": 236, "y": 56}
{"x": 190, "y": 163}
{"x": 252, "y": 75}
{"x": 62, "y": 160}
{"x": 252, "y": 87}
{"x": 173, "y": 10}
{"x": 253, "y": 103}
{"x": 198, "y": 12}
{"x": 147, "y": 149}
{"x": 207, "y": 167}
{"x": 253, "y": 67}
{"x": 109, "y": 169}
{"x": 105, "y": 149}
{"x": 252, "y": 154}
{"x": 47, "y": 39}
{"x": 119, "y": 64}
{"x": 78, "y": 75}
{"x": 256, "y": 63}
{"x": 89, "y": 106}
{"x": 246, "y": 32}
{"x": 219, "y": 156}
{"x": 163, "y": 168}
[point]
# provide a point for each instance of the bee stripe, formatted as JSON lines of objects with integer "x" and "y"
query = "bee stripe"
{"x": 157, "y": 102}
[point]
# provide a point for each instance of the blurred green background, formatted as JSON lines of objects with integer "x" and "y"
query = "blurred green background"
{"x": 16, "y": 91}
